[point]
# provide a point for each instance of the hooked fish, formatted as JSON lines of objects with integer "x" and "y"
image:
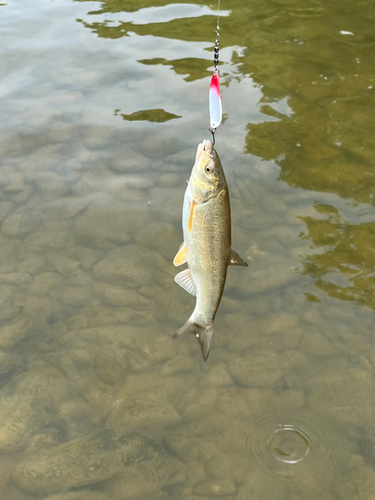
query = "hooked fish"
{"x": 206, "y": 248}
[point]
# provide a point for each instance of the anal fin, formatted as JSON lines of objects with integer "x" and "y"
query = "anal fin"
{"x": 186, "y": 281}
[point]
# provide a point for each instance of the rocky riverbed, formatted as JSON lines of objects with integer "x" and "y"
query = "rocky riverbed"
{"x": 96, "y": 399}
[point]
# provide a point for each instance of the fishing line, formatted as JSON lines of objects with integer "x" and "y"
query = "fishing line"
{"x": 214, "y": 101}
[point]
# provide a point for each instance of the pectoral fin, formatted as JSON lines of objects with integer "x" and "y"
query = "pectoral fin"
{"x": 235, "y": 259}
{"x": 190, "y": 222}
{"x": 181, "y": 256}
{"x": 186, "y": 281}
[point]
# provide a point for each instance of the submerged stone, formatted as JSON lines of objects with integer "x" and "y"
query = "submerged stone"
{"x": 258, "y": 369}
{"x": 21, "y": 223}
{"x": 178, "y": 364}
{"x": 216, "y": 488}
{"x": 348, "y": 395}
{"x": 160, "y": 236}
{"x": 146, "y": 410}
{"x": 78, "y": 495}
{"x": 86, "y": 461}
{"x": 111, "y": 364}
{"x": 112, "y": 222}
{"x": 131, "y": 265}
{"x": 45, "y": 438}
{"x": 268, "y": 274}
{"x": 20, "y": 417}
{"x": 11, "y": 334}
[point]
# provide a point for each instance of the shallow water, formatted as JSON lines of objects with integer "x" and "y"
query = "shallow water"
{"x": 102, "y": 106}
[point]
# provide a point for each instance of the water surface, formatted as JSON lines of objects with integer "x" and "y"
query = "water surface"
{"x": 103, "y": 105}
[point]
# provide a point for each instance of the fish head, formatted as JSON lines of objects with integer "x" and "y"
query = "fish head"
{"x": 207, "y": 177}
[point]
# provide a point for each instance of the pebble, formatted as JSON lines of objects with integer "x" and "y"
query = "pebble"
{"x": 195, "y": 472}
{"x": 27, "y": 405}
{"x": 280, "y": 323}
{"x": 76, "y": 297}
{"x": 21, "y": 223}
{"x": 216, "y": 488}
{"x": 168, "y": 180}
{"x": 112, "y": 222}
{"x": 257, "y": 485}
{"x": 36, "y": 306}
{"x": 15, "y": 278}
{"x": 178, "y": 364}
{"x": 62, "y": 264}
{"x": 130, "y": 161}
{"x": 285, "y": 235}
{"x": 43, "y": 439}
{"x": 44, "y": 283}
{"x": 160, "y": 236}
{"x": 312, "y": 316}
{"x": 258, "y": 369}
{"x": 66, "y": 207}
{"x": 120, "y": 297}
{"x": 7, "y": 248}
{"x": 13, "y": 333}
{"x": 199, "y": 401}
{"x": 47, "y": 237}
{"x": 5, "y": 207}
{"x": 86, "y": 461}
{"x": 358, "y": 480}
{"x": 155, "y": 479}
{"x": 314, "y": 344}
{"x": 345, "y": 394}
{"x": 78, "y": 495}
{"x": 100, "y": 402}
{"x": 31, "y": 264}
{"x": 19, "y": 193}
{"x": 296, "y": 359}
{"x": 85, "y": 256}
{"x": 8, "y": 311}
{"x": 244, "y": 330}
{"x": 145, "y": 410}
{"x": 8, "y": 363}
{"x": 130, "y": 265}
{"x": 111, "y": 364}
{"x": 217, "y": 376}
{"x": 60, "y": 131}
{"x": 268, "y": 274}
{"x": 76, "y": 414}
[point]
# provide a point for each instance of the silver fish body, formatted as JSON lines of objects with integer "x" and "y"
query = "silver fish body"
{"x": 207, "y": 248}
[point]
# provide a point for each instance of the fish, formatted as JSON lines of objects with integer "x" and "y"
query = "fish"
{"x": 206, "y": 247}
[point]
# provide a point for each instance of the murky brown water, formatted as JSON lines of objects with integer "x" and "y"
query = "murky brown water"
{"x": 102, "y": 107}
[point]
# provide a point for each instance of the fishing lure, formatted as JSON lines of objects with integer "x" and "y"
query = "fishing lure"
{"x": 214, "y": 100}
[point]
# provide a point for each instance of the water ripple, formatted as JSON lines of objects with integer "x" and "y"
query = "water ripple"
{"x": 300, "y": 451}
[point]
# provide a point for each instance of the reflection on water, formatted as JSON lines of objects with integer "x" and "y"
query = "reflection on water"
{"x": 96, "y": 401}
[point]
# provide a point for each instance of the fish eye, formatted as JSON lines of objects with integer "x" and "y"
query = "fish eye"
{"x": 209, "y": 169}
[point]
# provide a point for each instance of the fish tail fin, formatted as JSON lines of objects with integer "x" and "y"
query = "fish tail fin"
{"x": 202, "y": 333}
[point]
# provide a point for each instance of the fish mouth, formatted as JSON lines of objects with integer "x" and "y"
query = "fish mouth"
{"x": 203, "y": 147}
